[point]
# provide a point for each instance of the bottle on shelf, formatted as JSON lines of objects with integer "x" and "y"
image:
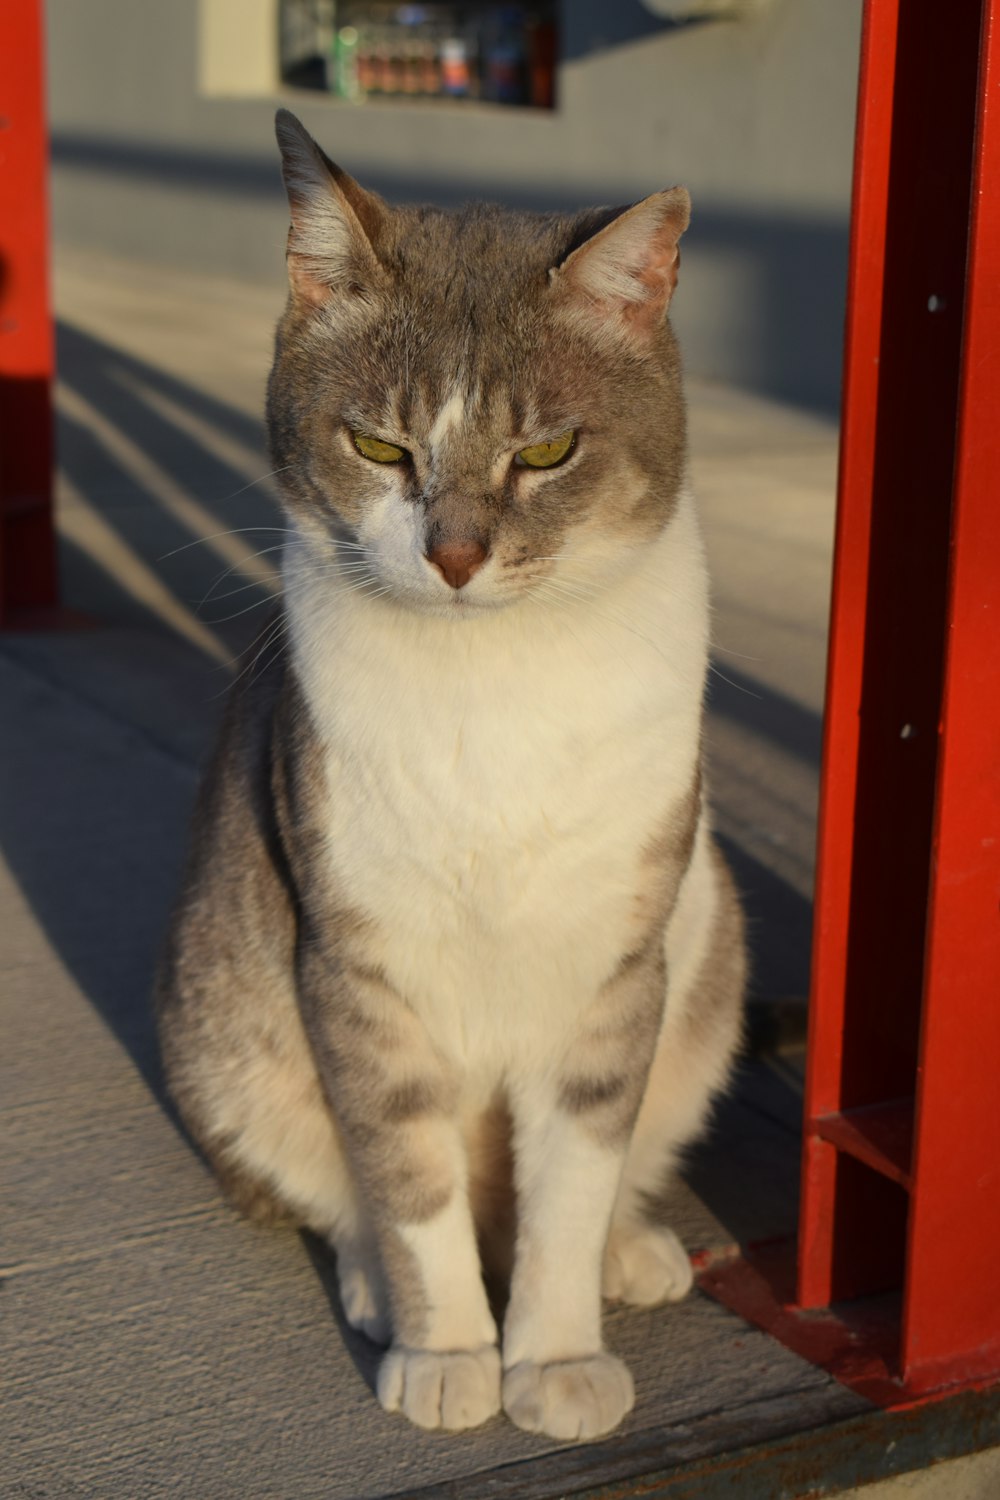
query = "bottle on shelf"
{"x": 455, "y": 49}
{"x": 504, "y": 59}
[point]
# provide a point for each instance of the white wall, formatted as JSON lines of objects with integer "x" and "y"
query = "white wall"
{"x": 155, "y": 156}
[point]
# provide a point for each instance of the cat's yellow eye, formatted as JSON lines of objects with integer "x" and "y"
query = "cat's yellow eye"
{"x": 378, "y": 451}
{"x": 547, "y": 455}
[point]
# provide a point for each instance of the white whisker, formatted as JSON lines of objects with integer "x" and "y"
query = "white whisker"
{"x": 727, "y": 651}
{"x": 264, "y": 551}
{"x": 567, "y": 601}
{"x": 259, "y": 480}
{"x": 575, "y": 592}
{"x": 224, "y": 619}
{"x": 273, "y": 634}
{"x": 230, "y": 593}
{"x": 738, "y": 686}
{"x": 233, "y": 531}
{"x": 579, "y": 596}
{"x": 553, "y": 599}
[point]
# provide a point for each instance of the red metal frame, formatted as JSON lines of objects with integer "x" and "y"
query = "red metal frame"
{"x": 951, "y": 1312}
{"x": 28, "y": 581}
{"x": 911, "y": 196}
{"x": 901, "y": 1158}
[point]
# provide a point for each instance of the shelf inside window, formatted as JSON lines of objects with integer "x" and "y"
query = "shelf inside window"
{"x": 455, "y": 51}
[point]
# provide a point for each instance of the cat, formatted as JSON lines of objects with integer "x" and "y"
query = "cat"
{"x": 456, "y": 968}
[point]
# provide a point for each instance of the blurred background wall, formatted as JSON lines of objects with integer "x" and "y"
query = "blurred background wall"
{"x": 161, "y": 114}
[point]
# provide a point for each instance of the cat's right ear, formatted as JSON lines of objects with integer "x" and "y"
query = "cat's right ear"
{"x": 335, "y": 223}
{"x": 626, "y": 272}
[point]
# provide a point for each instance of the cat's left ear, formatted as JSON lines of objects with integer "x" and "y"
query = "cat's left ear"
{"x": 628, "y": 269}
{"x": 335, "y": 225}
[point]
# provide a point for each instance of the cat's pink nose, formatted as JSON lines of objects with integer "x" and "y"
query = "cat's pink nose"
{"x": 457, "y": 561}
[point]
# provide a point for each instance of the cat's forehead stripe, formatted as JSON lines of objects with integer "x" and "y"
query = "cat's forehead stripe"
{"x": 448, "y": 418}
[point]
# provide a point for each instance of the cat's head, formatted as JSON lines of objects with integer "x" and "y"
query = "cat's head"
{"x": 471, "y": 404}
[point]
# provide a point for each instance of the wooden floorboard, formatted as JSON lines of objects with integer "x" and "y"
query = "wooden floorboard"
{"x": 155, "y": 1343}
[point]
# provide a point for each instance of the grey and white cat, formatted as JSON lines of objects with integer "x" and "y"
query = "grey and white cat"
{"x": 456, "y": 968}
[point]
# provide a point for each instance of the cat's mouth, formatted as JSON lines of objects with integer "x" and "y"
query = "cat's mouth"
{"x": 461, "y": 604}
{"x": 450, "y": 587}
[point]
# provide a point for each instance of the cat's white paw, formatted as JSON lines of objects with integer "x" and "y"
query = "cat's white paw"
{"x": 441, "y": 1390}
{"x": 646, "y": 1265}
{"x": 572, "y": 1398}
{"x": 364, "y": 1299}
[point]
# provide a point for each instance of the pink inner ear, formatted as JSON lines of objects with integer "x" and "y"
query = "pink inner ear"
{"x": 662, "y": 266}
{"x": 629, "y": 269}
{"x": 304, "y": 283}
{"x": 659, "y": 276}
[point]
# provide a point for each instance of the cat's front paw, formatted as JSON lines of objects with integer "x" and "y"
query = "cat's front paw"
{"x": 452, "y": 1390}
{"x": 646, "y": 1265}
{"x": 571, "y": 1398}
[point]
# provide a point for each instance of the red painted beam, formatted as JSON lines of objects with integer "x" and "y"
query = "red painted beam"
{"x": 835, "y": 851}
{"x": 901, "y": 1159}
{"x": 903, "y": 358}
{"x": 951, "y": 1327}
{"x": 27, "y": 545}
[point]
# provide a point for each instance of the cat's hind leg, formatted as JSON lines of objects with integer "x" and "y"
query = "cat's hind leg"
{"x": 340, "y": 1223}
{"x": 257, "y": 1108}
{"x": 645, "y": 1262}
{"x": 361, "y": 1281}
{"x": 312, "y": 1177}
{"x": 301, "y": 1177}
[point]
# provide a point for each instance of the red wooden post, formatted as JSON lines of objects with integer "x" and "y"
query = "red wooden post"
{"x": 909, "y": 236}
{"x": 901, "y": 1157}
{"x": 905, "y": 1024}
{"x": 28, "y": 580}
{"x": 951, "y": 1313}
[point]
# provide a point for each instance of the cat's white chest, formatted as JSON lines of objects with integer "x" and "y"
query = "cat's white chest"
{"x": 490, "y": 793}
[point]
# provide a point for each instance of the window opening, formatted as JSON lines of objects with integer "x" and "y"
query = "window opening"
{"x": 358, "y": 50}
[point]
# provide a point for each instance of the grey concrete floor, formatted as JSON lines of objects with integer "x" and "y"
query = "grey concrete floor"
{"x": 158, "y": 1345}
